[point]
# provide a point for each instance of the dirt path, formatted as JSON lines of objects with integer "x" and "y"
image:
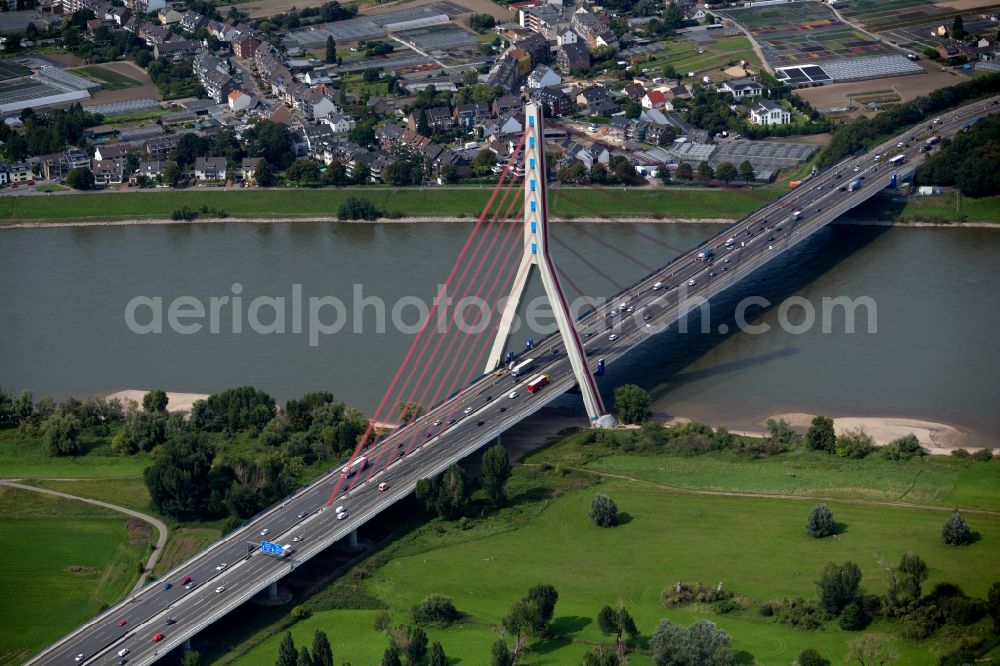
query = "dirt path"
{"x": 155, "y": 522}
{"x": 780, "y": 496}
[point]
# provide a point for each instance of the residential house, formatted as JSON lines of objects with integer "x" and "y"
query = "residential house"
{"x": 543, "y": 20}
{"x": 506, "y": 105}
{"x": 592, "y": 95}
{"x": 248, "y": 169}
{"x": 572, "y": 56}
{"x": 120, "y": 16}
{"x": 112, "y": 151}
{"x": 567, "y": 36}
{"x": 619, "y": 127}
{"x": 177, "y": 50}
{"x": 677, "y": 92}
{"x": 213, "y": 74}
{"x": 948, "y": 52}
{"x": 654, "y": 99}
{"x": 210, "y": 168}
{"x": 635, "y": 91}
{"x": 537, "y": 48}
{"x": 4, "y": 173}
{"x": 161, "y": 147}
{"x": 144, "y": 6}
{"x": 313, "y": 103}
{"x": 149, "y": 169}
{"x": 542, "y": 77}
{"x": 742, "y": 88}
{"x": 245, "y": 46}
{"x": 766, "y": 112}
{"x": 509, "y": 124}
{"x": 605, "y": 107}
{"x": 659, "y": 134}
{"x": 21, "y": 172}
{"x": 239, "y": 101}
{"x": 191, "y": 22}
{"x": 471, "y": 114}
{"x": 168, "y": 15}
{"x": 559, "y": 102}
{"x": 438, "y": 118}
{"x": 108, "y": 172}
{"x": 52, "y": 166}
{"x": 154, "y": 34}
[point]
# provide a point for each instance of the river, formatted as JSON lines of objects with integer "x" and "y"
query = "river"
{"x": 65, "y": 291}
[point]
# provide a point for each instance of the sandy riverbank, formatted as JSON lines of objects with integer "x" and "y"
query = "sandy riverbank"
{"x": 938, "y": 438}
{"x": 176, "y": 402}
{"x": 426, "y": 220}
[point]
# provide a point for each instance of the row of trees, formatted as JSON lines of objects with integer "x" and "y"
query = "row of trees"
{"x": 45, "y": 133}
{"x": 970, "y": 162}
{"x": 448, "y": 493}
{"x": 863, "y": 131}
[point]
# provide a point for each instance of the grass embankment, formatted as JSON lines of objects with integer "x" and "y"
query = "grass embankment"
{"x": 23, "y": 457}
{"x": 65, "y": 560}
{"x": 951, "y": 208}
{"x": 756, "y": 545}
{"x": 444, "y": 201}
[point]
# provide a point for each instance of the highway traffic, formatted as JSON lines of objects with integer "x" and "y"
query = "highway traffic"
{"x": 174, "y": 609}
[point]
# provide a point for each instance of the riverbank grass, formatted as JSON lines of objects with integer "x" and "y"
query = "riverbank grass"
{"x": 757, "y": 547}
{"x": 78, "y": 558}
{"x": 23, "y": 457}
{"x": 281, "y": 204}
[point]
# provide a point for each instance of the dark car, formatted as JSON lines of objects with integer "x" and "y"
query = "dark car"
{"x": 480, "y": 423}
{"x": 171, "y": 620}
{"x": 167, "y": 586}
{"x": 503, "y": 409}
{"x": 451, "y": 421}
{"x": 487, "y": 398}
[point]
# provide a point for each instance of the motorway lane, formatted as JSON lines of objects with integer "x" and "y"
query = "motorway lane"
{"x": 146, "y": 612}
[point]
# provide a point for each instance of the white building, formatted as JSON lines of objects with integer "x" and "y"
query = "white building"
{"x": 766, "y": 112}
{"x": 543, "y": 76}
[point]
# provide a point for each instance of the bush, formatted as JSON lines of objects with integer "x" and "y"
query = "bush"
{"x": 821, "y": 523}
{"x": 960, "y": 453}
{"x": 983, "y": 455}
{"x": 903, "y": 448}
{"x": 810, "y": 657}
{"x": 956, "y": 531}
{"x": 855, "y": 444}
{"x": 436, "y": 609}
{"x": 686, "y": 593}
{"x": 604, "y": 511}
{"x": 853, "y": 618}
{"x": 356, "y": 208}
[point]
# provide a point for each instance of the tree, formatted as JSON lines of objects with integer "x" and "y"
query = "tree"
{"x": 483, "y": 162}
{"x": 782, "y": 433}
{"x": 322, "y": 653}
{"x": 191, "y": 659}
{"x": 331, "y": 50}
{"x": 632, "y": 404}
{"x": 423, "y": 127}
{"x": 172, "y": 174}
{"x": 500, "y": 654}
{"x": 444, "y": 494}
{"x": 747, "y": 174}
{"x": 80, "y": 178}
{"x": 179, "y": 478}
{"x": 544, "y": 597}
{"x": 303, "y": 171}
{"x": 391, "y": 657}
{"x": 495, "y": 473}
{"x": 838, "y": 586}
{"x": 188, "y": 148}
{"x": 663, "y": 173}
{"x": 603, "y": 511}
{"x": 958, "y": 28}
{"x": 155, "y": 401}
{"x": 264, "y": 174}
{"x": 436, "y": 609}
{"x": 701, "y": 644}
{"x": 684, "y": 171}
{"x": 438, "y": 657}
{"x": 821, "y": 436}
{"x": 142, "y": 431}
{"x": 956, "y": 532}
{"x": 617, "y": 621}
{"x": 820, "y": 523}
{"x": 871, "y": 650}
{"x": 810, "y": 657}
{"x": 913, "y": 572}
{"x": 853, "y": 617}
{"x": 705, "y": 171}
{"x": 726, "y": 172}
{"x": 409, "y": 410}
{"x": 287, "y": 654}
{"x": 305, "y": 659}
{"x": 61, "y": 434}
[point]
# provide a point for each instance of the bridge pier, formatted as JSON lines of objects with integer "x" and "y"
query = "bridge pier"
{"x": 186, "y": 645}
{"x": 272, "y": 591}
{"x": 353, "y": 539}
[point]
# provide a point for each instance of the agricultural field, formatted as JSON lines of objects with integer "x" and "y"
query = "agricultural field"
{"x": 887, "y": 14}
{"x": 803, "y": 33}
{"x": 668, "y": 534}
{"x": 11, "y": 70}
{"x": 683, "y": 55}
{"x": 82, "y": 557}
{"x": 109, "y": 79}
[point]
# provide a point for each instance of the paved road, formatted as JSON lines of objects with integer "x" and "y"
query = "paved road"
{"x": 462, "y": 424}
{"x": 161, "y": 540}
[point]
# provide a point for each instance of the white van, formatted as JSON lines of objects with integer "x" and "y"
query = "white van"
{"x": 657, "y": 286}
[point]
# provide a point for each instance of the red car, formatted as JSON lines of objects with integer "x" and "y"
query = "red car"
{"x": 185, "y": 580}
{"x": 157, "y": 638}
{"x": 121, "y": 622}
